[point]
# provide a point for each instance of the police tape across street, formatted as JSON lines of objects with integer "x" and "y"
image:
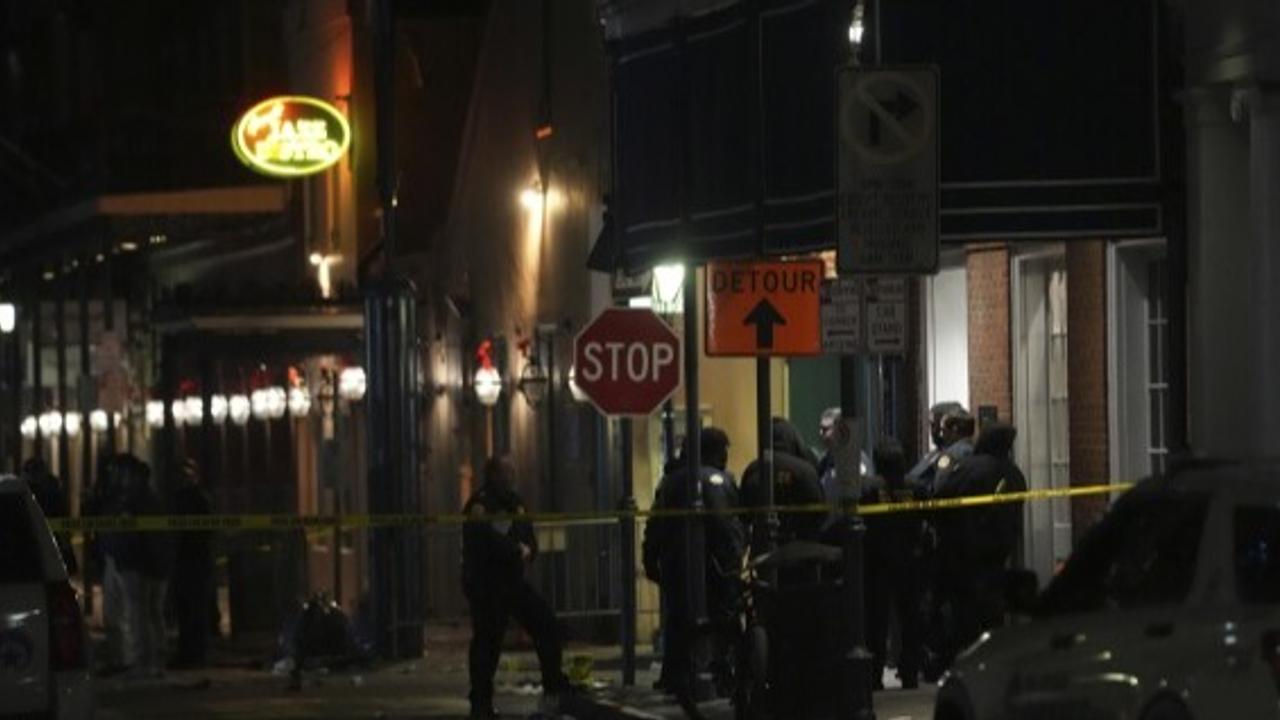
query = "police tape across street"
{"x": 182, "y": 523}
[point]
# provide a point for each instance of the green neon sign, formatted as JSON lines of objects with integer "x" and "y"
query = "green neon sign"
{"x": 291, "y": 136}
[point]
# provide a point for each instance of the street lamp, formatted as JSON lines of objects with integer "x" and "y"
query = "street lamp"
{"x": 73, "y": 422}
{"x": 29, "y": 426}
{"x": 668, "y": 289}
{"x": 98, "y": 420}
{"x": 50, "y": 423}
{"x": 8, "y": 317}
{"x": 193, "y": 407}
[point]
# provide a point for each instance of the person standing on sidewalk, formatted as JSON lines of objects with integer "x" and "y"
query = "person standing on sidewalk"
{"x": 193, "y": 571}
{"x": 498, "y": 542}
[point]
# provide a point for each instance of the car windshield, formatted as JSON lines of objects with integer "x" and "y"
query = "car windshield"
{"x": 1142, "y": 554}
{"x": 19, "y": 551}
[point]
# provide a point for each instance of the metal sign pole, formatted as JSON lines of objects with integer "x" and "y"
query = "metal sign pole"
{"x": 628, "y": 547}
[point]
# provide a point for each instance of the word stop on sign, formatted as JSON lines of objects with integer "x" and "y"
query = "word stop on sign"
{"x": 635, "y": 361}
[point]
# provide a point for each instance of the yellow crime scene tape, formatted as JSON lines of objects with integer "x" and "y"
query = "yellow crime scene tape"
{"x": 314, "y": 523}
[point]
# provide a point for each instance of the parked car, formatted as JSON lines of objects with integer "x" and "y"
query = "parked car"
{"x": 1169, "y": 609}
{"x": 44, "y": 646}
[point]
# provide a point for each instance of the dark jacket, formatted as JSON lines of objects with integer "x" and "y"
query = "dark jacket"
{"x": 194, "y": 547}
{"x": 893, "y": 537}
{"x": 795, "y": 483}
{"x": 663, "y": 547}
{"x": 491, "y": 556}
{"x": 985, "y": 536}
{"x": 932, "y": 472}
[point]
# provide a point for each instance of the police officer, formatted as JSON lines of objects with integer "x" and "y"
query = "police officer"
{"x": 977, "y": 543}
{"x": 665, "y": 560}
{"x": 892, "y": 576}
{"x": 951, "y": 428}
{"x": 497, "y": 544}
{"x": 795, "y": 484}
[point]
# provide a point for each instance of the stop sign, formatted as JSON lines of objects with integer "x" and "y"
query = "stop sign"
{"x": 627, "y": 361}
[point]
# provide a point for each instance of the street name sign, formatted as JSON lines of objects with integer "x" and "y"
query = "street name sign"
{"x": 887, "y": 170}
{"x": 763, "y": 308}
{"x": 627, "y": 361}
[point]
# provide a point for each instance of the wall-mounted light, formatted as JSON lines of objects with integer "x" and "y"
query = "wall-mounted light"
{"x": 574, "y": 389}
{"x": 352, "y": 384}
{"x": 178, "y": 408}
{"x": 155, "y": 413}
{"x": 277, "y": 402}
{"x": 531, "y": 197}
{"x": 29, "y": 426}
{"x": 218, "y": 408}
{"x": 324, "y": 276}
{"x": 50, "y": 423}
{"x": 8, "y": 317}
{"x": 488, "y": 384}
{"x": 668, "y": 289}
{"x": 299, "y": 402}
{"x": 238, "y": 409}
{"x": 533, "y": 382}
{"x": 73, "y": 422}
{"x": 193, "y": 409}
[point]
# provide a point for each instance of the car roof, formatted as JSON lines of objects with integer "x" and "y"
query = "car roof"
{"x": 1252, "y": 478}
{"x": 13, "y": 484}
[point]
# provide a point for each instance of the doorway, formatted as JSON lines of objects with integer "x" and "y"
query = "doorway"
{"x": 1040, "y": 393}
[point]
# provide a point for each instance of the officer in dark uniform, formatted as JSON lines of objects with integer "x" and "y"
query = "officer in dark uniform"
{"x": 951, "y": 428}
{"x": 495, "y": 551}
{"x": 976, "y": 544}
{"x": 948, "y": 423}
{"x": 892, "y": 556}
{"x": 795, "y": 483}
{"x": 665, "y": 562}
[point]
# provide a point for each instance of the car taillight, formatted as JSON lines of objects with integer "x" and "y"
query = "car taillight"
{"x": 66, "y": 633}
{"x": 1270, "y": 647}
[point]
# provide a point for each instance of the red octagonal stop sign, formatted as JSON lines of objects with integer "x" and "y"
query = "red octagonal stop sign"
{"x": 627, "y": 361}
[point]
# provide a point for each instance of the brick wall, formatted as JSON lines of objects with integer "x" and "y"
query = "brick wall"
{"x": 990, "y": 375}
{"x": 1087, "y": 376}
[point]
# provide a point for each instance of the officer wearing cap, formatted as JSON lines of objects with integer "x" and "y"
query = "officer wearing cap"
{"x": 665, "y": 562}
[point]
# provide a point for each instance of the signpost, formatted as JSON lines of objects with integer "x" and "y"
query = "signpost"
{"x": 627, "y": 361}
{"x": 763, "y": 308}
{"x": 887, "y": 176}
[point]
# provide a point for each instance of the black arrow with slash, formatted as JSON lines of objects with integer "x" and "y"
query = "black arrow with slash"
{"x": 899, "y": 106}
{"x": 764, "y": 316}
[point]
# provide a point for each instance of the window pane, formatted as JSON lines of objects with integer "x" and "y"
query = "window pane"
{"x": 1143, "y": 553}
{"x": 1257, "y": 554}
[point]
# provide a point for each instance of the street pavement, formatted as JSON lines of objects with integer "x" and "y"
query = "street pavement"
{"x": 240, "y": 684}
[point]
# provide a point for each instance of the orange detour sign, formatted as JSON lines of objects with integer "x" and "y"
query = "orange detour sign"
{"x": 763, "y": 308}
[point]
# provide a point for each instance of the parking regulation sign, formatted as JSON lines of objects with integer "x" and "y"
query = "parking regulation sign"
{"x": 887, "y": 170}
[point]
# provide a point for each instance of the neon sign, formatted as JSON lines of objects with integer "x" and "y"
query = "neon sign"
{"x": 291, "y": 136}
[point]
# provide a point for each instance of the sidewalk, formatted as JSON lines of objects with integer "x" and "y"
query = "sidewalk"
{"x": 240, "y": 684}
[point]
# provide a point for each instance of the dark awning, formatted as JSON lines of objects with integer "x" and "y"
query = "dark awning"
{"x": 723, "y": 121}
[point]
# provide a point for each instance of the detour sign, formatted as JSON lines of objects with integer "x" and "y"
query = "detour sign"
{"x": 763, "y": 308}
